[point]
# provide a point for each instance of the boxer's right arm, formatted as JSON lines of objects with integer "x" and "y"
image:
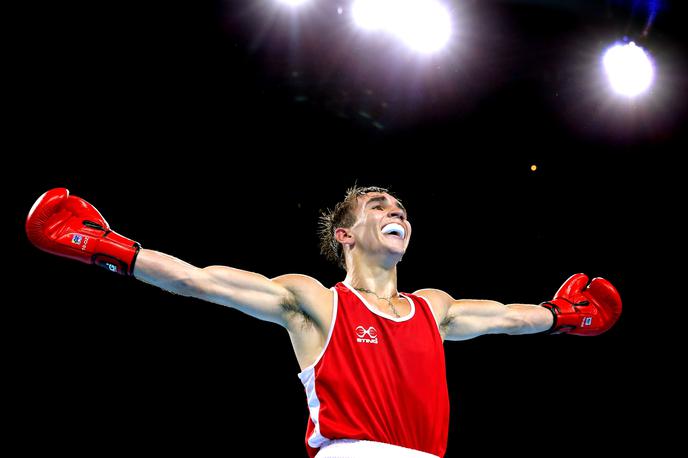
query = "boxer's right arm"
{"x": 69, "y": 226}
{"x": 251, "y": 293}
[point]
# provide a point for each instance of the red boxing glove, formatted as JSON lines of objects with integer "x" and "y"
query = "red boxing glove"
{"x": 71, "y": 227}
{"x": 584, "y": 309}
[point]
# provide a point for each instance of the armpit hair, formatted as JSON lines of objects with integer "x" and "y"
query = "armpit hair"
{"x": 446, "y": 322}
{"x": 292, "y": 310}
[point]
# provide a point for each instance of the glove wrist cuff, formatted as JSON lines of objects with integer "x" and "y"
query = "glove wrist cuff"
{"x": 549, "y": 306}
{"x": 117, "y": 253}
{"x": 565, "y": 316}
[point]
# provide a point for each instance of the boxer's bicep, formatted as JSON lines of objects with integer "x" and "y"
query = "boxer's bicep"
{"x": 248, "y": 292}
{"x": 468, "y": 318}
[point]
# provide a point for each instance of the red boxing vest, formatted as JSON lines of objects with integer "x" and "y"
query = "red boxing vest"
{"x": 379, "y": 378}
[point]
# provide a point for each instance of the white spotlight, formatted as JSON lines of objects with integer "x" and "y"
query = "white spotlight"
{"x": 293, "y": 2}
{"x": 629, "y": 69}
{"x": 424, "y": 25}
{"x": 371, "y": 14}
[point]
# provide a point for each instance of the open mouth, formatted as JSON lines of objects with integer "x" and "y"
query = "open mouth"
{"x": 394, "y": 230}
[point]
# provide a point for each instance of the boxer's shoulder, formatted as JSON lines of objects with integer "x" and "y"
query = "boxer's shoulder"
{"x": 438, "y": 300}
{"x": 310, "y": 296}
{"x": 310, "y": 324}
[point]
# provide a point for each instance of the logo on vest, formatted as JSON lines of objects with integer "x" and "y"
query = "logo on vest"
{"x": 364, "y": 335}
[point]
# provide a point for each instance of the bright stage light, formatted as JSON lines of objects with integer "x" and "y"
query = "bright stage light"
{"x": 629, "y": 69}
{"x": 292, "y": 2}
{"x": 372, "y": 14}
{"x": 423, "y": 25}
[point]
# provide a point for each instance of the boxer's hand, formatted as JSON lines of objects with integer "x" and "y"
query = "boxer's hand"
{"x": 71, "y": 227}
{"x": 584, "y": 309}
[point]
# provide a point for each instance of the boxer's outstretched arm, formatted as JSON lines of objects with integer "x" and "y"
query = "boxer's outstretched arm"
{"x": 249, "y": 292}
{"x": 69, "y": 226}
{"x": 467, "y": 318}
{"x": 581, "y": 307}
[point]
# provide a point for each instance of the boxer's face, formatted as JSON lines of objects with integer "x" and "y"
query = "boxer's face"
{"x": 382, "y": 224}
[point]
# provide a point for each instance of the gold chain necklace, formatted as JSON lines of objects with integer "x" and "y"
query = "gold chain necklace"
{"x": 385, "y": 298}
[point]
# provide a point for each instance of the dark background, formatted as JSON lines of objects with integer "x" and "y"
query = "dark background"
{"x": 214, "y": 132}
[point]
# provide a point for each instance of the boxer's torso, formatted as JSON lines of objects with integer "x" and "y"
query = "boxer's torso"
{"x": 308, "y": 331}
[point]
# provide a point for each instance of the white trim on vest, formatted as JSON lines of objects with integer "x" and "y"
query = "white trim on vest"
{"x": 432, "y": 312}
{"x": 307, "y": 377}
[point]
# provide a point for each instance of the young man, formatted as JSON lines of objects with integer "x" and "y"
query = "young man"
{"x": 371, "y": 357}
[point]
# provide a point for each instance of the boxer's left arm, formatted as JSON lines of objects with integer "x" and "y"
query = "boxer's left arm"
{"x": 467, "y": 318}
{"x": 580, "y": 307}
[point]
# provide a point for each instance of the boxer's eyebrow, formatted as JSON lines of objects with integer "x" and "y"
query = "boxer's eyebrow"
{"x": 385, "y": 200}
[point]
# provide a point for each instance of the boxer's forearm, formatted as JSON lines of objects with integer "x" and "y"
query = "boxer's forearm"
{"x": 528, "y": 319}
{"x": 164, "y": 271}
